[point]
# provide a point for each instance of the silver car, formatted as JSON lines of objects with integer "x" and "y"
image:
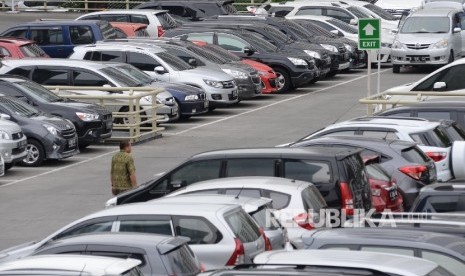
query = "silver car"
{"x": 428, "y": 37}
{"x": 220, "y": 234}
{"x": 12, "y": 142}
{"x": 87, "y": 73}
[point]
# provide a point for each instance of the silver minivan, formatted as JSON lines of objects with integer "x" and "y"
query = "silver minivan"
{"x": 429, "y": 37}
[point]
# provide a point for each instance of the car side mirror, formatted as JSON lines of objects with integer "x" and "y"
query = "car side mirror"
{"x": 457, "y": 30}
{"x": 337, "y": 32}
{"x": 439, "y": 86}
{"x": 353, "y": 22}
{"x": 177, "y": 184}
{"x": 192, "y": 62}
{"x": 160, "y": 70}
{"x": 249, "y": 50}
{"x": 5, "y": 116}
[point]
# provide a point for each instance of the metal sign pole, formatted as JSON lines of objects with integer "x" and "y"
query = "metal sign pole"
{"x": 368, "y": 79}
{"x": 378, "y": 90}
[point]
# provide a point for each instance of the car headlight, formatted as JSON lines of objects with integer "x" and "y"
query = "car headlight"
{"x": 236, "y": 74}
{"x": 386, "y": 45}
{"x": 4, "y": 135}
{"x": 313, "y": 54}
{"x": 441, "y": 44}
{"x": 53, "y": 130}
{"x": 86, "y": 117}
{"x": 212, "y": 83}
{"x": 297, "y": 61}
{"x": 349, "y": 48}
{"x": 330, "y": 47}
{"x": 398, "y": 45}
{"x": 191, "y": 97}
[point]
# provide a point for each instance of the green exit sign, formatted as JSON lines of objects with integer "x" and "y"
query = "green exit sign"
{"x": 369, "y": 33}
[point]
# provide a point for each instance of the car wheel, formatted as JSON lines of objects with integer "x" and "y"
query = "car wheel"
{"x": 283, "y": 81}
{"x": 451, "y": 57}
{"x": 35, "y": 154}
{"x": 458, "y": 153}
{"x": 396, "y": 69}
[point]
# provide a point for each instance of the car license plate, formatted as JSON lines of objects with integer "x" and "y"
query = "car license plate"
{"x": 22, "y": 144}
{"x": 72, "y": 143}
{"x": 417, "y": 59}
{"x": 393, "y": 194}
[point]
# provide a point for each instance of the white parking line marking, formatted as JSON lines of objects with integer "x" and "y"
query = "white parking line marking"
{"x": 17, "y": 168}
{"x": 208, "y": 117}
{"x": 275, "y": 103}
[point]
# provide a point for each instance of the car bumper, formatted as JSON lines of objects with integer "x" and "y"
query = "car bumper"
{"x": 222, "y": 96}
{"x": 358, "y": 59}
{"x": 384, "y": 55}
{"x": 303, "y": 78}
{"x": 13, "y": 150}
{"x": 60, "y": 148}
{"x": 420, "y": 57}
{"x": 324, "y": 65}
{"x": 249, "y": 90}
{"x": 189, "y": 108}
{"x": 165, "y": 113}
{"x": 268, "y": 83}
{"x": 95, "y": 132}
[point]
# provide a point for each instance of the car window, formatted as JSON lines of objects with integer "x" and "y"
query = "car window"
{"x": 142, "y": 61}
{"x": 428, "y": 84}
{"x": 139, "y": 18}
{"x": 197, "y": 171}
{"x": 206, "y": 37}
{"x": 119, "y": 34}
{"x": 280, "y": 200}
{"x": 231, "y": 43}
{"x": 198, "y": 229}
{"x": 340, "y": 133}
{"x": 434, "y": 115}
{"x": 312, "y": 199}
{"x": 47, "y": 76}
{"x": 113, "y": 17}
{"x": 243, "y": 227}
{"x": 17, "y": 33}
{"x": 92, "y": 17}
{"x": 250, "y": 167}
{"x": 22, "y": 71}
{"x": 81, "y": 35}
{"x": 442, "y": 204}
{"x": 98, "y": 227}
{"x": 151, "y": 226}
{"x": 454, "y": 132}
{"x": 7, "y": 90}
{"x": 166, "y": 21}
{"x": 448, "y": 262}
{"x": 426, "y": 24}
{"x": 389, "y": 249}
{"x": 265, "y": 219}
{"x": 400, "y": 114}
{"x": 255, "y": 193}
{"x": 182, "y": 261}
{"x": 380, "y": 134}
{"x": 310, "y": 11}
{"x": 114, "y": 56}
{"x": 49, "y": 36}
{"x": 414, "y": 155}
{"x": 82, "y": 78}
{"x": 4, "y": 52}
{"x": 339, "y": 14}
{"x": 318, "y": 172}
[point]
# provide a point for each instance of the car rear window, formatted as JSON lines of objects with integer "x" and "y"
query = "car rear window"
{"x": 32, "y": 50}
{"x": 265, "y": 218}
{"x": 375, "y": 171}
{"x": 358, "y": 181}
{"x": 182, "y": 261}
{"x": 455, "y": 132}
{"x": 166, "y": 21}
{"x": 414, "y": 155}
{"x": 243, "y": 227}
{"x": 107, "y": 30}
{"x": 439, "y": 138}
{"x": 312, "y": 199}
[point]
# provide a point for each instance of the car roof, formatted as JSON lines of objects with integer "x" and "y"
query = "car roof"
{"x": 396, "y": 264}
{"x": 12, "y": 78}
{"x": 453, "y": 188}
{"x": 411, "y": 123}
{"x": 95, "y": 265}
{"x": 433, "y": 12}
{"x": 358, "y": 139}
{"x": 58, "y": 22}
{"x": 305, "y": 3}
{"x": 123, "y": 46}
{"x": 131, "y": 11}
{"x": 57, "y": 62}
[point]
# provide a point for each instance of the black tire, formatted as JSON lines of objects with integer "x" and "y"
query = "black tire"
{"x": 8, "y": 166}
{"x": 283, "y": 80}
{"x": 83, "y": 145}
{"x": 35, "y": 154}
{"x": 396, "y": 69}
{"x": 451, "y": 57}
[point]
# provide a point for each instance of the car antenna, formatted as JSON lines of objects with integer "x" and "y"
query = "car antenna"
{"x": 240, "y": 191}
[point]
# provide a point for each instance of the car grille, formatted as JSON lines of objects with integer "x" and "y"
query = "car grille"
{"x": 228, "y": 84}
{"x": 418, "y": 46}
{"x": 17, "y": 136}
{"x": 68, "y": 133}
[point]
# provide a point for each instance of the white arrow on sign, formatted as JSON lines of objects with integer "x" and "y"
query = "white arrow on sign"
{"x": 369, "y": 29}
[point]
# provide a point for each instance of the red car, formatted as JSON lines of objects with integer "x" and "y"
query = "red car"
{"x": 14, "y": 47}
{"x": 125, "y": 29}
{"x": 267, "y": 75}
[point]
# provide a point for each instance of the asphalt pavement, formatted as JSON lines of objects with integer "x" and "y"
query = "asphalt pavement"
{"x": 34, "y": 202}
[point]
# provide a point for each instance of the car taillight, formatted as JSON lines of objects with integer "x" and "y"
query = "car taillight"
{"x": 414, "y": 172}
{"x": 302, "y": 221}
{"x": 160, "y": 31}
{"x": 437, "y": 156}
{"x": 347, "y": 199}
{"x": 237, "y": 257}
{"x": 266, "y": 239}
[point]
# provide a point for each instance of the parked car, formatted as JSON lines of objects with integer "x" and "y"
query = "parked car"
{"x": 445, "y": 250}
{"x": 258, "y": 208}
{"x": 157, "y": 21}
{"x": 191, "y": 9}
{"x": 441, "y": 198}
{"x": 338, "y": 174}
{"x": 12, "y": 142}
{"x": 158, "y": 254}
{"x": 402, "y": 160}
{"x": 294, "y": 69}
{"x": 86, "y": 73}
{"x": 48, "y": 137}
{"x": 398, "y": 7}
{"x": 428, "y": 37}
{"x": 220, "y": 234}
{"x": 433, "y": 140}
{"x": 297, "y": 204}
{"x": 58, "y": 38}
{"x": 357, "y": 262}
{"x": 125, "y": 29}
{"x": 93, "y": 123}
{"x": 16, "y": 47}
{"x": 71, "y": 265}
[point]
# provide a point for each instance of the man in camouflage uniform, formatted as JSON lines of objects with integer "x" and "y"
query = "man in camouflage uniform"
{"x": 123, "y": 172}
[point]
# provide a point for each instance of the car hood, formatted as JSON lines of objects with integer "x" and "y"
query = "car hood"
{"x": 178, "y": 87}
{"x": 239, "y": 67}
{"x": 212, "y": 74}
{"x": 428, "y": 38}
{"x": 307, "y": 46}
{"x": 17, "y": 251}
{"x": 257, "y": 65}
{"x": 59, "y": 123}
{"x": 9, "y": 126}
{"x": 402, "y": 88}
{"x": 81, "y": 107}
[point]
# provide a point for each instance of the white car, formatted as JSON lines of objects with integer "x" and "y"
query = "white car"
{"x": 399, "y": 7}
{"x": 448, "y": 154}
{"x": 292, "y": 199}
{"x": 157, "y": 21}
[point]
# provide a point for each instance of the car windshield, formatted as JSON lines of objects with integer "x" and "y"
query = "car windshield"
{"x": 243, "y": 227}
{"x": 18, "y": 107}
{"x": 222, "y": 52}
{"x": 37, "y": 92}
{"x": 426, "y": 25}
{"x": 358, "y": 12}
{"x": 380, "y": 12}
{"x": 121, "y": 76}
{"x": 343, "y": 26}
{"x": 208, "y": 55}
{"x": 265, "y": 218}
{"x": 173, "y": 61}
{"x": 259, "y": 43}
{"x": 182, "y": 261}
{"x": 455, "y": 132}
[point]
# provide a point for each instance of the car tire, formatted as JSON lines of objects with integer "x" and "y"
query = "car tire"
{"x": 457, "y": 156}
{"x": 451, "y": 57}
{"x": 283, "y": 80}
{"x": 396, "y": 69}
{"x": 8, "y": 166}
{"x": 35, "y": 154}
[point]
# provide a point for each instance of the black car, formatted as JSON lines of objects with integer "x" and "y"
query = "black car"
{"x": 191, "y": 10}
{"x": 48, "y": 137}
{"x": 339, "y": 174}
{"x": 397, "y": 157}
{"x": 441, "y": 198}
{"x": 93, "y": 123}
{"x": 296, "y": 69}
